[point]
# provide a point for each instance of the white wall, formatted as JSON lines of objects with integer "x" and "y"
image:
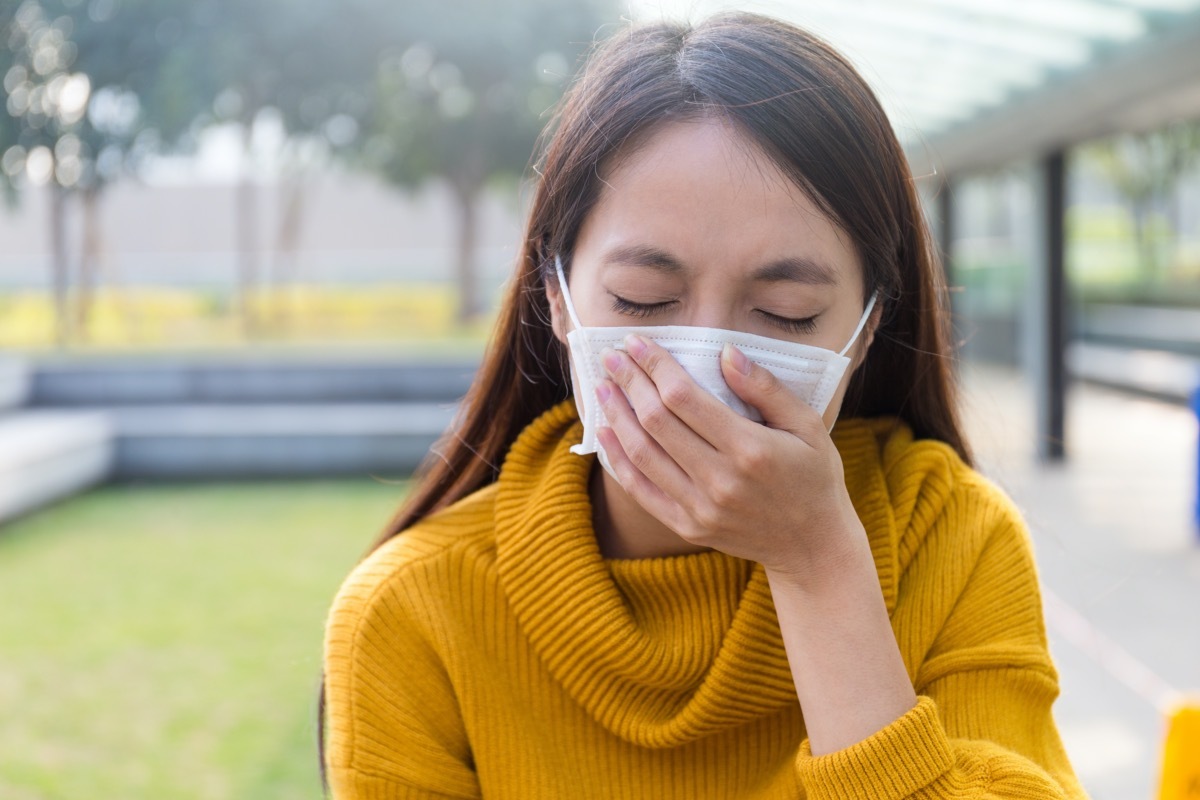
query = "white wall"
{"x": 355, "y": 230}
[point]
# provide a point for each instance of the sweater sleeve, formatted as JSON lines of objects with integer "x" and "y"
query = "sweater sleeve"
{"x": 395, "y": 728}
{"x": 982, "y": 727}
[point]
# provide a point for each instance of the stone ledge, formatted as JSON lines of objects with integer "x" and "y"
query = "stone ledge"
{"x": 15, "y": 383}
{"x": 112, "y": 381}
{"x": 260, "y": 441}
{"x": 46, "y": 456}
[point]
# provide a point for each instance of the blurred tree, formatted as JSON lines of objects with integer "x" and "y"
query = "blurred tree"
{"x": 138, "y": 105}
{"x": 8, "y": 125}
{"x": 82, "y": 80}
{"x": 1145, "y": 169}
{"x": 93, "y": 87}
{"x": 46, "y": 106}
{"x": 308, "y": 67}
{"x": 465, "y": 96}
{"x": 415, "y": 90}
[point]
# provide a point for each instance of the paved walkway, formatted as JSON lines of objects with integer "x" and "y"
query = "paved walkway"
{"x": 1119, "y": 561}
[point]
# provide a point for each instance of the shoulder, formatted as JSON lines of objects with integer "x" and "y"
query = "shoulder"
{"x": 968, "y": 586}
{"x": 415, "y": 568}
{"x": 389, "y": 660}
{"x": 939, "y": 501}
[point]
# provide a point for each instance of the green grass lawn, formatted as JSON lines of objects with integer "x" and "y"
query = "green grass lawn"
{"x": 165, "y": 641}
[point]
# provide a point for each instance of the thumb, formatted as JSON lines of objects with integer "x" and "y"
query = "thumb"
{"x": 757, "y": 387}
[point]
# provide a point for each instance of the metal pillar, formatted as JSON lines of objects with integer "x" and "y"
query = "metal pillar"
{"x": 945, "y": 210}
{"x": 1048, "y": 311}
{"x": 945, "y": 236}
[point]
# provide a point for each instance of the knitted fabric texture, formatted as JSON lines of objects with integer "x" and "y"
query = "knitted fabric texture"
{"x": 492, "y": 651}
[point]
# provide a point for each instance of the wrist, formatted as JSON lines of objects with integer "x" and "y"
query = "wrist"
{"x": 844, "y": 552}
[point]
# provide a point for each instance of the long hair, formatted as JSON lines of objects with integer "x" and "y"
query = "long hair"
{"x": 805, "y": 106}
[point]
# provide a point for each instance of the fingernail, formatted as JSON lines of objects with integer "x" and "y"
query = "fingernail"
{"x": 611, "y": 360}
{"x": 603, "y": 392}
{"x": 738, "y": 359}
{"x": 635, "y": 344}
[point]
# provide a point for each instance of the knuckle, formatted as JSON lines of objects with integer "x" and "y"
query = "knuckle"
{"x": 626, "y": 475}
{"x": 811, "y": 423}
{"x": 651, "y": 360}
{"x": 689, "y": 530}
{"x": 676, "y": 394}
{"x": 622, "y": 374}
{"x": 639, "y": 454}
{"x": 751, "y": 459}
{"x": 708, "y": 517}
{"x": 655, "y": 418}
{"x": 697, "y": 533}
{"x": 723, "y": 495}
{"x": 769, "y": 385}
{"x": 688, "y": 526}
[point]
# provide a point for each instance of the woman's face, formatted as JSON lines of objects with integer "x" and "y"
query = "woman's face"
{"x": 698, "y": 227}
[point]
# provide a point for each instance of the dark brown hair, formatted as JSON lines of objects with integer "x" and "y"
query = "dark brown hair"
{"x": 805, "y": 106}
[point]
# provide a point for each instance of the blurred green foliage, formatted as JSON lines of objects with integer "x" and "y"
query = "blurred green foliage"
{"x": 1145, "y": 169}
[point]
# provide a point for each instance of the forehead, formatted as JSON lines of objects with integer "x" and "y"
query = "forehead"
{"x": 708, "y": 195}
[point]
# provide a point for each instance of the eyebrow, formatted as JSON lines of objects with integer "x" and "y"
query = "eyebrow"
{"x": 645, "y": 256}
{"x": 797, "y": 269}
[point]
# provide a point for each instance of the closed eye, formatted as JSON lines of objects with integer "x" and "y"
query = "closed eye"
{"x": 623, "y": 306}
{"x": 788, "y": 324}
{"x": 805, "y": 325}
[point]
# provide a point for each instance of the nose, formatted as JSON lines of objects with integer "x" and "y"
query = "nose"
{"x": 711, "y": 313}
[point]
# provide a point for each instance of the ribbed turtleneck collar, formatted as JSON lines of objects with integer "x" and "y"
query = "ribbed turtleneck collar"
{"x": 660, "y": 651}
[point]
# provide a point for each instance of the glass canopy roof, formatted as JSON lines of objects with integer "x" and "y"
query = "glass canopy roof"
{"x": 937, "y": 63}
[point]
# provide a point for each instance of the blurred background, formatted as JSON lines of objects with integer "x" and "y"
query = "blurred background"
{"x": 250, "y": 252}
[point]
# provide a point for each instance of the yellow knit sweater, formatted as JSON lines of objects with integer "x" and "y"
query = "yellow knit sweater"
{"x": 491, "y": 651}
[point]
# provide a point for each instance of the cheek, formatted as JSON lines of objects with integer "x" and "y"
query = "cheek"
{"x": 575, "y": 389}
{"x": 835, "y": 405}
{"x": 856, "y": 365}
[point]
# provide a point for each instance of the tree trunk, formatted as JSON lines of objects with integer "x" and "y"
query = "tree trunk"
{"x": 469, "y": 304}
{"x": 287, "y": 243}
{"x": 246, "y": 225}
{"x": 1175, "y": 225}
{"x": 60, "y": 264}
{"x": 1145, "y": 251}
{"x": 89, "y": 261}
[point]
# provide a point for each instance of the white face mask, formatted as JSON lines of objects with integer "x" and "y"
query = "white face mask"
{"x": 812, "y": 373}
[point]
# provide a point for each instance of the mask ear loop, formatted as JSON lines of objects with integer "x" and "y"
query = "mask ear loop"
{"x": 562, "y": 282}
{"x": 861, "y": 323}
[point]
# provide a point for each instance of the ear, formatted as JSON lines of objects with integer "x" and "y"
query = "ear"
{"x": 558, "y": 313}
{"x": 867, "y": 336}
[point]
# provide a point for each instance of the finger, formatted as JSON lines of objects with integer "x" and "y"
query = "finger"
{"x": 779, "y": 406}
{"x": 694, "y": 407}
{"x": 684, "y": 444}
{"x": 640, "y": 448}
{"x": 635, "y": 483}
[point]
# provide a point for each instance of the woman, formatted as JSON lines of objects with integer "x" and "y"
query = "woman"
{"x": 738, "y": 597}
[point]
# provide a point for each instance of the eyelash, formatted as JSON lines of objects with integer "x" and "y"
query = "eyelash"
{"x": 807, "y": 325}
{"x": 623, "y": 306}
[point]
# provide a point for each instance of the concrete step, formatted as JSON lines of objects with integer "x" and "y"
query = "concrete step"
{"x": 111, "y": 381}
{"x": 49, "y": 455}
{"x": 15, "y": 383}
{"x": 217, "y": 441}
